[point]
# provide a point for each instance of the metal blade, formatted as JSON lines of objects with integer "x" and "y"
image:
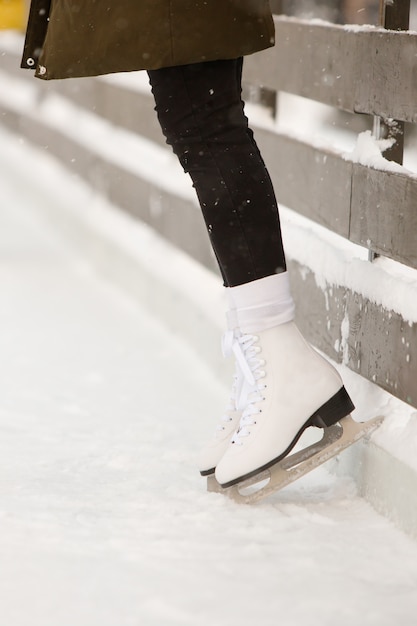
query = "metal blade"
{"x": 335, "y": 439}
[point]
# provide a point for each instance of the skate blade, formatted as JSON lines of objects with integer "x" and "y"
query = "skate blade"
{"x": 335, "y": 439}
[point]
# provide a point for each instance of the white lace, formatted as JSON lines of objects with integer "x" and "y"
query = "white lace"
{"x": 227, "y": 349}
{"x": 249, "y": 388}
{"x": 226, "y": 417}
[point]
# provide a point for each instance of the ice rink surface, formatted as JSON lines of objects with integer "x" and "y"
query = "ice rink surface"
{"x": 104, "y": 519}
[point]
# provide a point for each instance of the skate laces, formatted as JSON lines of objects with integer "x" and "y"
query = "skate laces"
{"x": 246, "y": 352}
{"x": 247, "y": 387}
{"x": 228, "y": 340}
{"x": 239, "y": 345}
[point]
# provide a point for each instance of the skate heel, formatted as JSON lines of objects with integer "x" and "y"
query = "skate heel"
{"x": 333, "y": 410}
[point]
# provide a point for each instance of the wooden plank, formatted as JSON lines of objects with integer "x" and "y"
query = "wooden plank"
{"x": 129, "y": 109}
{"x": 379, "y": 345}
{"x": 315, "y": 182}
{"x": 345, "y": 67}
{"x": 342, "y": 67}
{"x": 391, "y": 59}
{"x": 384, "y": 213}
{"x": 374, "y": 208}
{"x": 351, "y": 200}
{"x": 307, "y": 60}
{"x": 173, "y": 217}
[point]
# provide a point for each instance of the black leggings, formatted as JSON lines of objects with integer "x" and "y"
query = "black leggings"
{"x": 200, "y": 110}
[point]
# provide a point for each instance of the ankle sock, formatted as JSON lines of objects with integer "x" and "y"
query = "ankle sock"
{"x": 262, "y": 303}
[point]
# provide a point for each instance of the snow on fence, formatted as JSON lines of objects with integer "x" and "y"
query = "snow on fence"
{"x": 362, "y": 313}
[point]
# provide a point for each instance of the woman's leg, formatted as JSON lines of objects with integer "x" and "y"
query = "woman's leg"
{"x": 283, "y": 385}
{"x": 200, "y": 110}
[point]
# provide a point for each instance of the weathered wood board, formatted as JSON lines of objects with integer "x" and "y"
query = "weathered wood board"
{"x": 313, "y": 181}
{"x": 346, "y": 67}
{"x": 370, "y": 340}
{"x": 374, "y": 208}
{"x": 384, "y": 213}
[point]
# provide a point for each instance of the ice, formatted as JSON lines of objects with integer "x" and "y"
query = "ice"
{"x": 104, "y": 519}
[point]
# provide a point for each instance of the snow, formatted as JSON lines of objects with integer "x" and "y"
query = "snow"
{"x": 355, "y": 28}
{"x": 368, "y": 151}
{"x": 334, "y": 260}
{"x": 104, "y": 519}
{"x": 337, "y": 262}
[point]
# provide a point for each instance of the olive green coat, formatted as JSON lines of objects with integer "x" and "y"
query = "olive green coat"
{"x": 69, "y": 38}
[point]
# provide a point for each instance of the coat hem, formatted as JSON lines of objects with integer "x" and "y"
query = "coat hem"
{"x": 42, "y": 74}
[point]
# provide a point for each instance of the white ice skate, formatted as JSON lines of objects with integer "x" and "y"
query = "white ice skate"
{"x": 290, "y": 388}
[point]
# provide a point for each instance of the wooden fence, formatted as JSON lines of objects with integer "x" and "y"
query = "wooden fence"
{"x": 360, "y": 70}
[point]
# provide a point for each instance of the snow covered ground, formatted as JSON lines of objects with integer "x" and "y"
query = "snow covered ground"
{"x": 104, "y": 519}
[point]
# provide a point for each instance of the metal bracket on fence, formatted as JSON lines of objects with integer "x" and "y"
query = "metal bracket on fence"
{"x": 392, "y": 16}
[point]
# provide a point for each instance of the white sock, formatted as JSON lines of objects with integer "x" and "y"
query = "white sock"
{"x": 231, "y": 314}
{"x": 263, "y": 303}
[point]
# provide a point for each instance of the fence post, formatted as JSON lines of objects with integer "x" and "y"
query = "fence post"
{"x": 395, "y": 16}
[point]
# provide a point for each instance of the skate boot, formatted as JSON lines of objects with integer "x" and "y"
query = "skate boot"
{"x": 213, "y": 451}
{"x": 289, "y": 387}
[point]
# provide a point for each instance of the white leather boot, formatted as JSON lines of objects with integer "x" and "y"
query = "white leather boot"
{"x": 289, "y": 387}
{"x": 293, "y": 387}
